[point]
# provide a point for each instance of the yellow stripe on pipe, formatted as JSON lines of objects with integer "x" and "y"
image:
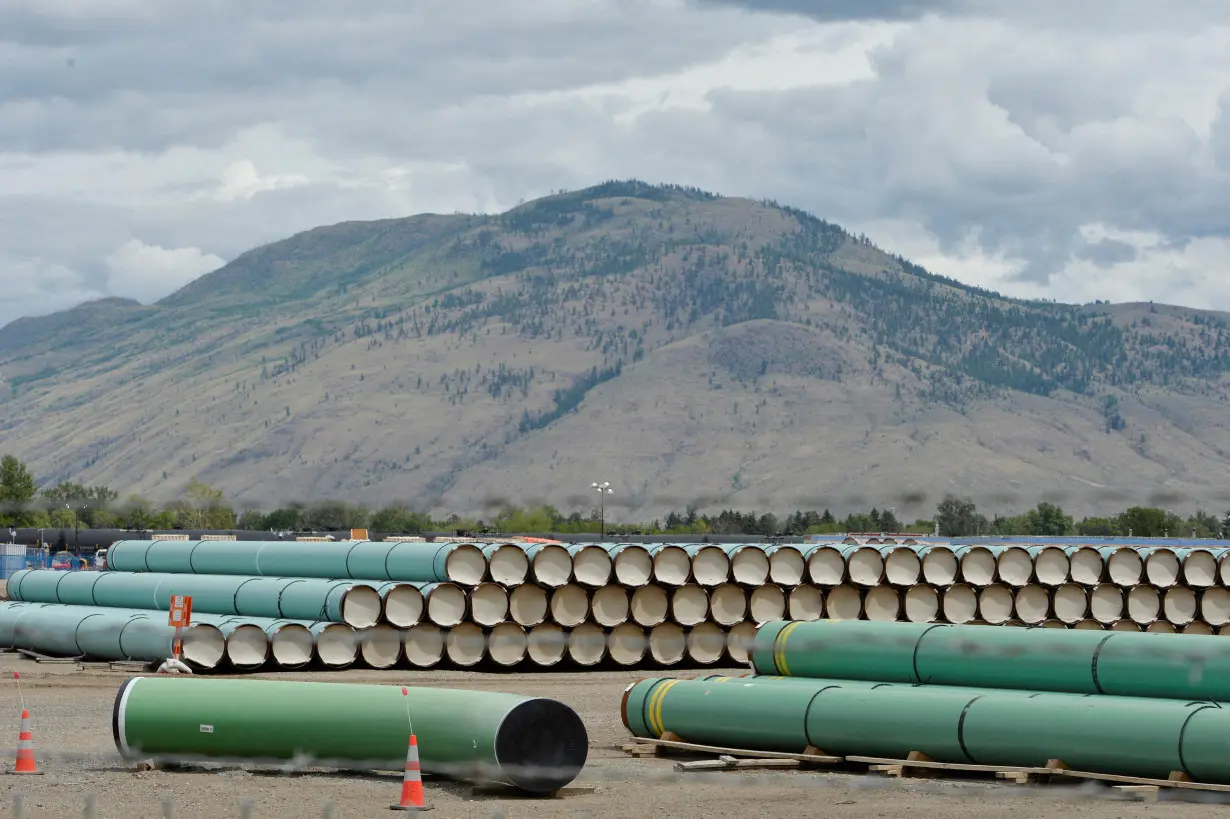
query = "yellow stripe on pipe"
{"x": 655, "y": 715}
{"x": 779, "y": 649}
{"x": 649, "y": 706}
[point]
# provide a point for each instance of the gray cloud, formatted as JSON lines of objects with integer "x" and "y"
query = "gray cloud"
{"x": 1050, "y": 135}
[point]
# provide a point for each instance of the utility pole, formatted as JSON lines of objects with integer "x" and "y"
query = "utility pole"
{"x": 604, "y": 489}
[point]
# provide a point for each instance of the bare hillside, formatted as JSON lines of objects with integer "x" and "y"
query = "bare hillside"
{"x": 686, "y": 347}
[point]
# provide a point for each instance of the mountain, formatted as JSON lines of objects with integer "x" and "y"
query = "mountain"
{"x": 684, "y": 346}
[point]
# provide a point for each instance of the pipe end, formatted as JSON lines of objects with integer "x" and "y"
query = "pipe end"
{"x": 541, "y": 745}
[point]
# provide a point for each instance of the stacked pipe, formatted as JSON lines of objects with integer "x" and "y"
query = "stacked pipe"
{"x": 1113, "y": 703}
{"x": 545, "y": 605}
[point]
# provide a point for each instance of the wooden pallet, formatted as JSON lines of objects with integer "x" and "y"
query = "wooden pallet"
{"x": 915, "y": 765}
{"x": 727, "y": 758}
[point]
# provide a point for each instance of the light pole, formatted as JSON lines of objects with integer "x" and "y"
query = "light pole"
{"x": 604, "y": 489}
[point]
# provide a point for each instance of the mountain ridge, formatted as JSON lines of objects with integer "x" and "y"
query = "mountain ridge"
{"x": 438, "y": 359}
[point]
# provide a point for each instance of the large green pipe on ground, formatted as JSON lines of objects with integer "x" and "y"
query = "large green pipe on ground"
{"x": 292, "y": 598}
{"x": 462, "y": 563}
{"x": 1116, "y": 735}
{"x": 536, "y": 744}
{"x": 1129, "y": 664}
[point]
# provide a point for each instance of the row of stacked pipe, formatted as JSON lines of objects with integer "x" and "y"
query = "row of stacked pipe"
{"x": 288, "y": 604}
{"x": 1126, "y": 704}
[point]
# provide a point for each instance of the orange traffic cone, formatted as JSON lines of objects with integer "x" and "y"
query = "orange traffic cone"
{"x": 25, "y": 748}
{"x": 412, "y": 782}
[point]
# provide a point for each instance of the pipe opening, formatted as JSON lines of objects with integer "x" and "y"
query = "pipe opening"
{"x": 508, "y": 565}
{"x": 610, "y": 606}
{"x": 1124, "y": 567}
{"x": 786, "y": 566}
{"x": 247, "y": 647}
{"x": 204, "y": 646}
{"x": 1052, "y": 566}
{"x": 1015, "y": 566}
{"x": 381, "y": 647}
{"x": 1162, "y": 568}
{"x": 587, "y": 645}
{"x": 902, "y": 567}
{"x": 767, "y": 603}
{"x": 978, "y": 566}
{"x": 507, "y": 644}
{"x": 750, "y": 566}
{"x": 627, "y": 644}
{"x": 1200, "y": 569}
{"x": 739, "y": 642}
{"x": 1179, "y": 604}
{"x": 865, "y": 566}
{"x": 1106, "y": 603}
{"x": 361, "y": 607}
{"x": 959, "y": 603}
{"x": 922, "y": 604}
{"x": 882, "y": 603}
{"x": 488, "y": 604}
{"x": 940, "y": 566}
{"x": 667, "y": 644}
{"x": 844, "y": 603}
{"x": 592, "y": 566}
{"x": 650, "y": 606}
{"x": 633, "y": 566}
{"x": 337, "y": 646}
{"x": 826, "y": 566}
{"x": 569, "y": 606}
{"x": 547, "y": 644}
{"x": 706, "y": 644}
{"x": 711, "y": 566}
{"x": 403, "y": 605}
{"x": 552, "y": 566}
{"x": 446, "y": 605}
{"x": 996, "y": 603}
{"x": 1215, "y": 607}
{"x": 672, "y": 566}
{"x": 423, "y": 645}
{"x": 1070, "y": 603}
{"x": 1144, "y": 604}
{"x": 465, "y": 645}
{"x": 1032, "y": 604}
{"x": 527, "y": 605}
{"x": 466, "y": 564}
{"x": 689, "y": 605}
{"x": 807, "y": 603}
{"x": 728, "y": 604}
{"x": 1086, "y": 566}
{"x": 291, "y": 646}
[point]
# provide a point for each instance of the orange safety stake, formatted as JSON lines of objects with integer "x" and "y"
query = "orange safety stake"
{"x": 412, "y": 782}
{"x": 25, "y": 748}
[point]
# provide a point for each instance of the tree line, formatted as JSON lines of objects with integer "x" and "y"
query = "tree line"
{"x": 69, "y": 505}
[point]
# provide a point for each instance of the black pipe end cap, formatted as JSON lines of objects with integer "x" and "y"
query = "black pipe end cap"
{"x": 541, "y": 745}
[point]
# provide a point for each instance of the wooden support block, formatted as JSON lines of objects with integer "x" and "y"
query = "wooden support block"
{"x": 1145, "y": 793}
{"x": 730, "y": 763}
{"x": 667, "y": 745}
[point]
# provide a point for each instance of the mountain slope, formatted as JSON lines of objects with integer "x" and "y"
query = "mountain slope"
{"x": 682, "y": 345}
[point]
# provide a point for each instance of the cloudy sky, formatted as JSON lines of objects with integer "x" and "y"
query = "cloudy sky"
{"x": 1068, "y": 150}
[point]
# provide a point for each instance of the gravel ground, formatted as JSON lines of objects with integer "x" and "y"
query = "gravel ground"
{"x": 71, "y": 711}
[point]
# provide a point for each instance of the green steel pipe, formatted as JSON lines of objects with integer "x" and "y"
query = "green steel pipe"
{"x": 1115, "y": 735}
{"x": 292, "y": 598}
{"x": 106, "y": 634}
{"x": 1118, "y": 663}
{"x": 358, "y": 560}
{"x": 535, "y": 744}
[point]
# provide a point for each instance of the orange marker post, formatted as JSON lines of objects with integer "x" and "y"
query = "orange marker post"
{"x": 179, "y": 617}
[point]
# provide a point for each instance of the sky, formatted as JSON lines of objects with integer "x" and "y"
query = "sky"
{"x": 1065, "y": 150}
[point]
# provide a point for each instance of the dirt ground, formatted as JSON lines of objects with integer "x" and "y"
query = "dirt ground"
{"x": 71, "y": 712}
